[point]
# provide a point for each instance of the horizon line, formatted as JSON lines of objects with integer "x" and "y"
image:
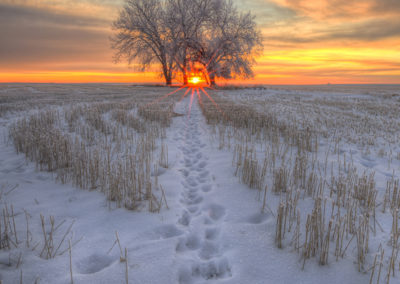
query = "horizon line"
{"x": 155, "y": 84}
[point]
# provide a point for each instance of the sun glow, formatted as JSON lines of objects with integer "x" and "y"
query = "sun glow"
{"x": 197, "y": 81}
{"x": 194, "y": 80}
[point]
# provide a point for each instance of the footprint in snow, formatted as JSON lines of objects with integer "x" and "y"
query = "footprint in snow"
{"x": 184, "y": 219}
{"x": 201, "y": 180}
{"x": 208, "y": 250}
{"x": 190, "y": 242}
{"x": 94, "y": 263}
{"x": 215, "y": 211}
{"x": 211, "y": 270}
{"x": 195, "y": 201}
{"x": 193, "y": 209}
{"x": 202, "y": 165}
{"x": 165, "y": 232}
{"x": 257, "y": 218}
{"x": 211, "y": 233}
{"x": 206, "y": 188}
{"x": 203, "y": 174}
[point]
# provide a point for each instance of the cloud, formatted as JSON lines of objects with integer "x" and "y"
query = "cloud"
{"x": 368, "y": 31}
{"x": 339, "y": 9}
{"x": 268, "y": 12}
{"x": 33, "y": 15}
{"x": 34, "y": 37}
{"x": 85, "y": 8}
{"x": 386, "y": 6}
{"x": 363, "y": 31}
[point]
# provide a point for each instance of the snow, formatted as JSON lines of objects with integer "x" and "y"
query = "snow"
{"x": 213, "y": 231}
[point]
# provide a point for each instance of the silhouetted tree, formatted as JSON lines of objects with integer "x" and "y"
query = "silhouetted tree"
{"x": 189, "y": 18}
{"x": 177, "y": 33}
{"x": 142, "y": 36}
{"x": 229, "y": 44}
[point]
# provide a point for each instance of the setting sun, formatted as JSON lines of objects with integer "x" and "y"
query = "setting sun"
{"x": 195, "y": 80}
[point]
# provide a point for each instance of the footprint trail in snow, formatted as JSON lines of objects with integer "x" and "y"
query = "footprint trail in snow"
{"x": 200, "y": 249}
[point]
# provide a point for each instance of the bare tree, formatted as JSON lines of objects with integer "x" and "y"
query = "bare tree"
{"x": 189, "y": 18}
{"x": 142, "y": 36}
{"x": 230, "y": 42}
{"x": 178, "y": 33}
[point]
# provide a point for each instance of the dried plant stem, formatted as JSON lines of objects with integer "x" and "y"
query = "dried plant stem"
{"x": 70, "y": 261}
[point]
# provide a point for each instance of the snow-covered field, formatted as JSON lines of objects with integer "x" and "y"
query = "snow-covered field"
{"x": 291, "y": 184}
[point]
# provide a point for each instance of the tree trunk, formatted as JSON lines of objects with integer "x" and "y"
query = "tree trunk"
{"x": 185, "y": 78}
{"x": 212, "y": 79}
{"x": 184, "y": 73}
{"x": 167, "y": 76}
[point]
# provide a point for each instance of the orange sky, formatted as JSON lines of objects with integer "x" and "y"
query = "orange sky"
{"x": 305, "y": 42}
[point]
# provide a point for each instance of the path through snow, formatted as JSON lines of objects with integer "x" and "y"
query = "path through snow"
{"x": 200, "y": 251}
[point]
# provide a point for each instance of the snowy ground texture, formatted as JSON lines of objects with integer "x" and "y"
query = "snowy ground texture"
{"x": 207, "y": 224}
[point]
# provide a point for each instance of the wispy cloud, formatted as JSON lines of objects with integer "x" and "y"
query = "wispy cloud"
{"x": 364, "y": 31}
{"x": 39, "y": 37}
{"x": 335, "y": 9}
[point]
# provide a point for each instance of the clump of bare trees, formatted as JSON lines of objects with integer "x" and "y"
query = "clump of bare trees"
{"x": 186, "y": 36}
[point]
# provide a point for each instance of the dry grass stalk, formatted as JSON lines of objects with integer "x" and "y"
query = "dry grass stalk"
{"x": 164, "y": 155}
{"x": 93, "y": 153}
{"x": 280, "y": 181}
{"x": 362, "y": 236}
{"x": 324, "y": 254}
{"x": 70, "y": 261}
{"x": 280, "y": 225}
{"x": 126, "y": 267}
{"x": 8, "y": 231}
{"x": 50, "y": 247}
